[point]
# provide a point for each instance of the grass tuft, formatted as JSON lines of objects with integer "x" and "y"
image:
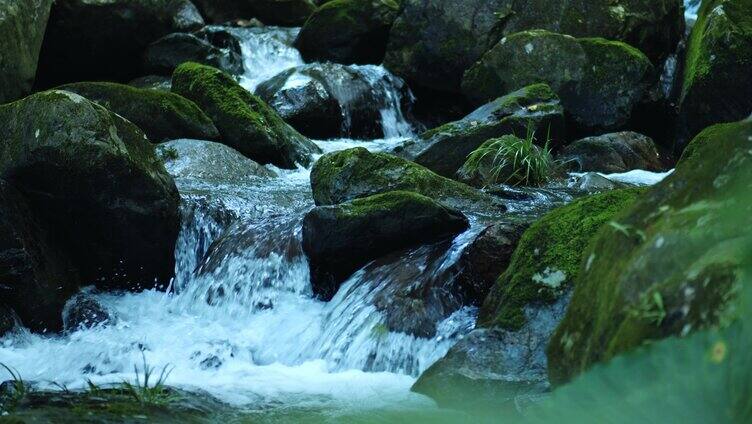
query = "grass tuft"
{"x": 147, "y": 390}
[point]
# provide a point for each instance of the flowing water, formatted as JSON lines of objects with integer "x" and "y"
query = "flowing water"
{"x": 240, "y": 321}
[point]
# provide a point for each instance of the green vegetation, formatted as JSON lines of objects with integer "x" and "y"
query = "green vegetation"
{"x": 18, "y": 390}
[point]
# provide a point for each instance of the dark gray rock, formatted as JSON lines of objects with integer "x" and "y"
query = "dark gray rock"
{"x": 167, "y": 53}
{"x": 84, "y": 311}
{"x": 612, "y": 153}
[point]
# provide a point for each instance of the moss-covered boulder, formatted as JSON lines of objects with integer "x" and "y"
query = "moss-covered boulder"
{"x": 348, "y": 31}
{"x": 433, "y": 42}
{"x": 340, "y": 239}
{"x": 160, "y": 114}
{"x": 612, "y": 153}
{"x": 547, "y": 260}
{"x": 245, "y": 122}
{"x": 600, "y": 82}
{"x": 22, "y": 26}
{"x": 669, "y": 264}
{"x": 97, "y": 186}
{"x": 270, "y": 12}
{"x": 354, "y": 173}
{"x": 91, "y": 40}
{"x": 716, "y": 86}
{"x": 164, "y": 55}
{"x": 445, "y": 149}
{"x": 36, "y": 277}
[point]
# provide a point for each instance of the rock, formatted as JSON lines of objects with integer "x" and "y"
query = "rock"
{"x": 90, "y": 40}
{"x": 161, "y": 115}
{"x": 348, "y": 31}
{"x": 670, "y": 264}
{"x": 612, "y": 153}
{"x": 22, "y": 26}
{"x": 491, "y": 369}
{"x": 446, "y": 148}
{"x": 340, "y": 239}
{"x": 36, "y": 276}
{"x": 245, "y": 122}
{"x": 84, "y": 311}
{"x": 547, "y": 260}
{"x": 716, "y": 86}
{"x": 153, "y": 82}
{"x": 486, "y": 258}
{"x": 270, "y": 12}
{"x": 354, "y": 173}
{"x": 169, "y": 52}
{"x": 433, "y": 42}
{"x": 507, "y": 160}
{"x": 592, "y": 182}
{"x": 209, "y": 162}
{"x": 329, "y": 100}
{"x": 599, "y": 82}
{"x": 98, "y": 187}
{"x": 7, "y": 320}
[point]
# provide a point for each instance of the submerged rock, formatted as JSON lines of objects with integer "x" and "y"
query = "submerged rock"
{"x": 547, "y": 260}
{"x": 354, "y": 173}
{"x": 209, "y": 162}
{"x": 161, "y": 115}
{"x": 245, "y": 122}
{"x": 716, "y": 86}
{"x": 329, "y": 100}
{"x": 105, "y": 39}
{"x": 612, "y": 153}
{"x": 592, "y": 182}
{"x": 600, "y": 82}
{"x": 96, "y": 185}
{"x": 340, "y": 239}
{"x": 83, "y": 311}
{"x": 22, "y": 27}
{"x": 169, "y": 52}
{"x": 348, "y": 31}
{"x": 445, "y": 149}
{"x": 36, "y": 277}
{"x": 670, "y": 264}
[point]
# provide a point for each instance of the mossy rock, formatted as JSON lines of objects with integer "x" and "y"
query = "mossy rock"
{"x": 354, "y": 173}
{"x": 445, "y": 149}
{"x": 270, "y": 12}
{"x": 547, "y": 260}
{"x": 22, "y": 26}
{"x": 161, "y": 115}
{"x": 348, "y": 31}
{"x": 339, "y": 239}
{"x": 668, "y": 265}
{"x": 95, "y": 40}
{"x": 96, "y": 185}
{"x": 716, "y": 86}
{"x": 245, "y": 122}
{"x": 432, "y": 43}
{"x": 600, "y": 82}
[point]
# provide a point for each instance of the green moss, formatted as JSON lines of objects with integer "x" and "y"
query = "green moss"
{"x": 245, "y": 122}
{"x": 355, "y": 173}
{"x": 677, "y": 243}
{"x": 547, "y": 260}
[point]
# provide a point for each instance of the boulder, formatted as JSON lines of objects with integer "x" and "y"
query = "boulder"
{"x": 164, "y": 55}
{"x": 612, "y": 153}
{"x": 716, "y": 87}
{"x": 97, "y": 186}
{"x": 340, "y": 239}
{"x": 270, "y": 12}
{"x": 599, "y": 82}
{"x": 160, "y": 115}
{"x": 592, "y": 182}
{"x": 354, "y": 173}
{"x": 433, "y": 42}
{"x": 83, "y": 311}
{"x": 668, "y": 265}
{"x": 329, "y": 100}
{"x": 245, "y": 122}
{"x": 36, "y": 276}
{"x": 22, "y": 26}
{"x": 445, "y": 149}
{"x": 209, "y": 162}
{"x": 547, "y": 260}
{"x": 89, "y": 40}
{"x": 348, "y": 31}
{"x": 507, "y": 160}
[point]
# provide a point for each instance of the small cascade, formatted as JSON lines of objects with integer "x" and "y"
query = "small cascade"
{"x": 266, "y": 52}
